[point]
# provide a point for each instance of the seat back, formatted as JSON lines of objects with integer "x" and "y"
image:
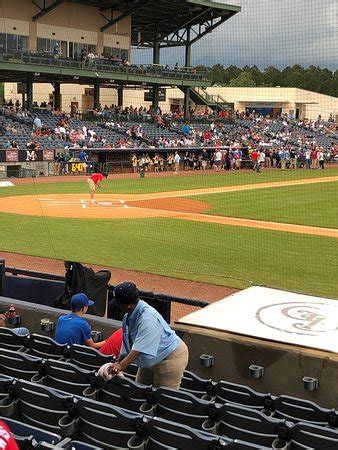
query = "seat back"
{"x": 105, "y": 425}
{"x": 5, "y": 382}
{"x": 239, "y": 394}
{"x": 77, "y": 445}
{"x": 181, "y": 407}
{"x": 40, "y": 405}
{"x": 246, "y": 424}
{"x": 122, "y": 392}
{"x": 20, "y": 365}
{"x": 10, "y": 340}
{"x": 194, "y": 384}
{"x": 87, "y": 357}
{"x": 23, "y": 432}
{"x": 298, "y": 410}
{"x": 46, "y": 347}
{"x": 163, "y": 434}
{"x": 66, "y": 376}
{"x": 305, "y": 435}
{"x": 131, "y": 371}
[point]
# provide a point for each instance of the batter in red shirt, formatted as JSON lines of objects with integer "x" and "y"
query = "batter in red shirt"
{"x": 95, "y": 181}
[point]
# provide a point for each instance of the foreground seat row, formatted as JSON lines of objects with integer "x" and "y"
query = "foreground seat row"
{"x": 108, "y": 426}
{"x": 192, "y": 405}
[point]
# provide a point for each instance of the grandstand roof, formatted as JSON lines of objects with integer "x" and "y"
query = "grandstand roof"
{"x": 166, "y": 20}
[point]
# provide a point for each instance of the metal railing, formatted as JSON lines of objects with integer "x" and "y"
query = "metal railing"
{"x": 101, "y": 65}
{"x": 157, "y": 299}
{"x": 210, "y": 98}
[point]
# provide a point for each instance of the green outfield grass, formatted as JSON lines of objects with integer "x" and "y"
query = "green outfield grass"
{"x": 312, "y": 204}
{"x": 160, "y": 184}
{"x": 210, "y": 253}
{"x": 213, "y": 253}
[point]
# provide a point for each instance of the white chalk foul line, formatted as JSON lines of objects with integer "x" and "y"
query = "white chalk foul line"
{"x": 83, "y": 204}
{"x": 44, "y": 199}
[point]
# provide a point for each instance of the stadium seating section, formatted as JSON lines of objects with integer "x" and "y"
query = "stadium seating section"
{"x": 52, "y": 397}
{"x": 111, "y": 134}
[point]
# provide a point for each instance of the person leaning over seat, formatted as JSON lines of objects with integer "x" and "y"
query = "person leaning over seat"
{"x": 73, "y": 328}
{"x": 149, "y": 342}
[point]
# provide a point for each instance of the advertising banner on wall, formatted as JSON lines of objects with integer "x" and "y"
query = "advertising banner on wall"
{"x": 15, "y": 155}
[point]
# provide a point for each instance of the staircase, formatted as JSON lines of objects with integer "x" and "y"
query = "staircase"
{"x": 201, "y": 97}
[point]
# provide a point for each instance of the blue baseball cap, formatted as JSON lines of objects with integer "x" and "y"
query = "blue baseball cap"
{"x": 78, "y": 301}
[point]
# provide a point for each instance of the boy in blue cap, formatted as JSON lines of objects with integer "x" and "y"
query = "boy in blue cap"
{"x": 73, "y": 328}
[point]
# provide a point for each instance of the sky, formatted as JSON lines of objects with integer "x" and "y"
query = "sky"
{"x": 267, "y": 33}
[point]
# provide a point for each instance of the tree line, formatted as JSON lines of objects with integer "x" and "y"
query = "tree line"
{"x": 312, "y": 78}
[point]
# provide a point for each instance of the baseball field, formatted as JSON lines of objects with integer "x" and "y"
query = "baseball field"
{"x": 278, "y": 229}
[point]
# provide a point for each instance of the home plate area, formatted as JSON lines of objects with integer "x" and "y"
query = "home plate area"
{"x": 84, "y": 203}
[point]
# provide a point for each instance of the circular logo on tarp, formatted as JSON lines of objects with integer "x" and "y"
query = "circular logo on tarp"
{"x": 311, "y": 319}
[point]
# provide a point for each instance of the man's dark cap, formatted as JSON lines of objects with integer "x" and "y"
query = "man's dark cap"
{"x": 126, "y": 293}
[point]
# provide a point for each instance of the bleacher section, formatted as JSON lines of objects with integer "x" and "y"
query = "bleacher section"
{"x": 50, "y": 402}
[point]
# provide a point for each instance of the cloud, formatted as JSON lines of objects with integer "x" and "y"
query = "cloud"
{"x": 271, "y": 32}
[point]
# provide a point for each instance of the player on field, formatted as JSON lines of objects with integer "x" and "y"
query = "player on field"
{"x": 95, "y": 181}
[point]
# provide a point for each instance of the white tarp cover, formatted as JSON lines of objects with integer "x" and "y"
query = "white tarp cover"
{"x": 6, "y": 184}
{"x": 274, "y": 315}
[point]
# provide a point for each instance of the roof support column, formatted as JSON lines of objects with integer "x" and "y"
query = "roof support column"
{"x": 29, "y": 91}
{"x": 155, "y": 101}
{"x": 120, "y": 96}
{"x": 187, "y": 103}
{"x": 57, "y": 96}
{"x": 156, "y": 60}
{"x": 96, "y": 94}
{"x": 187, "y": 61}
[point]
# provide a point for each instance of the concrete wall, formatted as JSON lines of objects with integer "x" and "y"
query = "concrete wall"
{"x": 285, "y": 365}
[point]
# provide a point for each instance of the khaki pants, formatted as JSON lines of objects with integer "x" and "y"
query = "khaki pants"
{"x": 169, "y": 372}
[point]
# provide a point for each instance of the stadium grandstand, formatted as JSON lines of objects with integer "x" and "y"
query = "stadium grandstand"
{"x": 226, "y": 339}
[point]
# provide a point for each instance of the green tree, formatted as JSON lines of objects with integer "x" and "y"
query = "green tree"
{"x": 243, "y": 80}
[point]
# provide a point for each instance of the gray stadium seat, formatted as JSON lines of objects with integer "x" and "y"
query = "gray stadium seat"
{"x": 164, "y": 435}
{"x": 17, "y": 364}
{"x": 64, "y": 376}
{"x": 226, "y": 392}
{"x": 77, "y": 445}
{"x": 125, "y": 393}
{"x": 25, "y": 434}
{"x": 307, "y": 436}
{"x": 46, "y": 347}
{"x": 181, "y": 407}
{"x": 104, "y": 425}
{"x": 87, "y": 357}
{"x": 298, "y": 410}
{"x": 194, "y": 384}
{"x": 35, "y": 404}
{"x": 237, "y": 422}
{"x": 10, "y": 340}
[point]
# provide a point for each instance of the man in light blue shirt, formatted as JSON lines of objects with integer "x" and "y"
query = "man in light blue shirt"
{"x": 149, "y": 342}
